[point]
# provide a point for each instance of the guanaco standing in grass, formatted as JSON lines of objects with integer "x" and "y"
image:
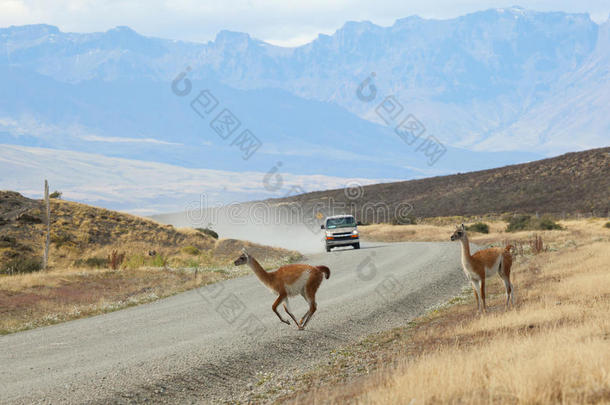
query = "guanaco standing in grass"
{"x": 484, "y": 264}
{"x": 288, "y": 281}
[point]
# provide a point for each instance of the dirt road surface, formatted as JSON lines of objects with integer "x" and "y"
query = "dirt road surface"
{"x": 207, "y": 345}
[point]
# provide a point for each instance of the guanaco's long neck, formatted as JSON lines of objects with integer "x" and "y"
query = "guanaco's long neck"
{"x": 262, "y": 275}
{"x": 465, "y": 249}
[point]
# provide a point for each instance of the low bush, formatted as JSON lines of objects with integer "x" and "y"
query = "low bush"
{"x": 547, "y": 224}
{"x": 56, "y": 194}
{"x": 33, "y": 217}
{"x": 134, "y": 262}
{"x": 92, "y": 263}
{"x": 518, "y": 223}
{"x": 7, "y": 241}
{"x": 158, "y": 261}
{"x": 137, "y": 261}
{"x": 20, "y": 265}
{"x": 191, "y": 250}
{"x": 209, "y": 232}
{"x": 478, "y": 227}
{"x": 607, "y": 225}
{"x": 61, "y": 238}
{"x": 529, "y": 223}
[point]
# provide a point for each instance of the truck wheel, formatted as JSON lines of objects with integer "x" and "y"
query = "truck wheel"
{"x": 357, "y": 245}
{"x": 327, "y": 249}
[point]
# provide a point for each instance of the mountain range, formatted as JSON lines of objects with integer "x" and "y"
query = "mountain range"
{"x": 491, "y": 88}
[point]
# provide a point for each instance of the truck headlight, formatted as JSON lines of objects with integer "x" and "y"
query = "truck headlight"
{"x": 355, "y": 232}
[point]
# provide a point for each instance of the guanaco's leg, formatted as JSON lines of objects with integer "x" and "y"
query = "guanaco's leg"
{"x": 306, "y": 298}
{"x": 305, "y": 315}
{"x": 475, "y": 289}
{"x": 508, "y": 288}
{"x": 286, "y": 308}
{"x": 310, "y": 295}
{"x": 277, "y": 302}
{"x": 483, "y": 294}
{"x": 312, "y": 309}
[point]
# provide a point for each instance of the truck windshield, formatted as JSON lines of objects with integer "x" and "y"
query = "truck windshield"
{"x": 342, "y": 222}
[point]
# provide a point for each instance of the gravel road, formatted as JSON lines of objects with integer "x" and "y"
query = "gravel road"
{"x": 208, "y": 345}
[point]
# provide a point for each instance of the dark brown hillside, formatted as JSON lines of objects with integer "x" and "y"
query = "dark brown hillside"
{"x": 571, "y": 183}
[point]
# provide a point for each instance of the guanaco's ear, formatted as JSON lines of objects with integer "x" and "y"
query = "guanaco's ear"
{"x": 244, "y": 251}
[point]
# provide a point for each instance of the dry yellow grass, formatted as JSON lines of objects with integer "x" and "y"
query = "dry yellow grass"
{"x": 423, "y": 232}
{"x": 576, "y": 231}
{"x": 40, "y": 299}
{"x": 553, "y": 348}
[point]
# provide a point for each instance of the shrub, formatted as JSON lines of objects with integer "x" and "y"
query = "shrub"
{"x": 191, "y": 250}
{"x": 7, "y": 241}
{"x": 527, "y": 223}
{"x": 134, "y": 262}
{"x": 158, "y": 261}
{"x": 33, "y": 217}
{"x": 61, "y": 238}
{"x": 478, "y": 227}
{"x": 518, "y": 223}
{"x": 56, "y": 194}
{"x": 209, "y": 232}
{"x": 96, "y": 262}
{"x": 19, "y": 265}
{"x": 607, "y": 225}
{"x": 92, "y": 262}
{"x": 548, "y": 224}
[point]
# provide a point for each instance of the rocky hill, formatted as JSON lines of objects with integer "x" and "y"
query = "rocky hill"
{"x": 84, "y": 236}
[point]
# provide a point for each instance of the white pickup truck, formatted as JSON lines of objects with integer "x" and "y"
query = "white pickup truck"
{"x": 341, "y": 230}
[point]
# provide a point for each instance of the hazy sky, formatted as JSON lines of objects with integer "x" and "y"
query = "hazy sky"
{"x": 282, "y": 22}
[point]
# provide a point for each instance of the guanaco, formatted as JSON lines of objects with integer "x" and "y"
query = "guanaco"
{"x": 484, "y": 264}
{"x": 288, "y": 281}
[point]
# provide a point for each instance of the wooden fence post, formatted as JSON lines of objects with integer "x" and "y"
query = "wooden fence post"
{"x": 45, "y": 258}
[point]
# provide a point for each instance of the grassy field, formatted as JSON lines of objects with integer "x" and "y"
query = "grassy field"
{"x": 440, "y": 229}
{"x": 157, "y": 261}
{"x": 553, "y": 348}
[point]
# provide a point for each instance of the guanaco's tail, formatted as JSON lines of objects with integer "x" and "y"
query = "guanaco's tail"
{"x": 324, "y": 270}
